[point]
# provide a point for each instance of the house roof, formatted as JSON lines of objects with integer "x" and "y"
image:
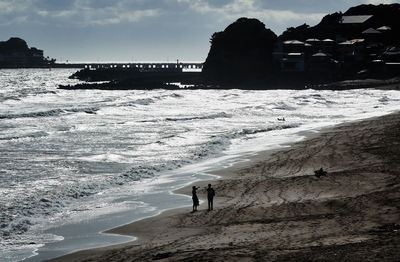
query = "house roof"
{"x": 384, "y": 28}
{"x": 293, "y": 42}
{"x": 352, "y": 41}
{"x": 371, "y": 31}
{"x": 313, "y": 40}
{"x": 328, "y": 40}
{"x": 294, "y": 54}
{"x": 357, "y": 40}
{"x": 348, "y": 42}
{"x": 354, "y": 19}
{"x": 320, "y": 54}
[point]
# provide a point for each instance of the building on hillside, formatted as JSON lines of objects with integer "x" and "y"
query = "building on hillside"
{"x": 314, "y": 45}
{"x": 372, "y": 35}
{"x": 328, "y": 46}
{"x": 293, "y": 46}
{"x": 292, "y": 62}
{"x": 354, "y": 19}
{"x": 321, "y": 67}
{"x": 387, "y": 33}
{"x": 354, "y": 48}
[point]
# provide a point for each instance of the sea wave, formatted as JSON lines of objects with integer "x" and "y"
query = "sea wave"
{"x": 212, "y": 116}
{"x": 149, "y": 100}
{"x": 272, "y": 128}
{"x": 53, "y": 112}
{"x": 50, "y": 113}
{"x": 29, "y": 135}
{"x": 4, "y": 98}
{"x": 284, "y": 106}
{"x": 142, "y": 101}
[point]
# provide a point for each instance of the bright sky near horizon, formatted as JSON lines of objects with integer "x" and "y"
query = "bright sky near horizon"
{"x": 147, "y": 30}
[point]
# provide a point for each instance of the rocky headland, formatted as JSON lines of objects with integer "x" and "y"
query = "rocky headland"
{"x": 361, "y": 44}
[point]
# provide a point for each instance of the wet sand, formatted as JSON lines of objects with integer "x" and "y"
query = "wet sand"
{"x": 273, "y": 208}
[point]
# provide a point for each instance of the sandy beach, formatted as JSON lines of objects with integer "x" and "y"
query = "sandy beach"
{"x": 273, "y": 207}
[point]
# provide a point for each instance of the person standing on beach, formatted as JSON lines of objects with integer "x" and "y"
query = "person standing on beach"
{"x": 210, "y": 197}
{"x": 195, "y": 198}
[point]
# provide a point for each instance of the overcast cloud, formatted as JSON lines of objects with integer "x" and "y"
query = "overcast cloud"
{"x": 132, "y": 30}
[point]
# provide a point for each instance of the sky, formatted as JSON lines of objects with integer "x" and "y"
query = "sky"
{"x": 147, "y": 30}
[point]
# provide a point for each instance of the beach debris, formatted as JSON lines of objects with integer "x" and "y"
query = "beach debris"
{"x": 320, "y": 172}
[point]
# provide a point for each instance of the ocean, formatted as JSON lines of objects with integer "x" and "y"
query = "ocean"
{"x": 75, "y": 163}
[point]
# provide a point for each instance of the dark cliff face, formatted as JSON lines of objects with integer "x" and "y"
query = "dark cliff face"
{"x": 241, "y": 53}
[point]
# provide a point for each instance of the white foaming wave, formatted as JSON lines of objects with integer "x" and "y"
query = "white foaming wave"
{"x": 19, "y": 219}
{"x": 99, "y": 205}
{"x": 219, "y": 143}
{"x": 23, "y": 234}
{"x": 108, "y": 157}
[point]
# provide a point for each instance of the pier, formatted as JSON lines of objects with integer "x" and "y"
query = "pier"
{"x": 142, "y": 66}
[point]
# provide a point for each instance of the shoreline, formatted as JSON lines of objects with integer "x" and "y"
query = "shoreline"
{"x": 180, "y": 235}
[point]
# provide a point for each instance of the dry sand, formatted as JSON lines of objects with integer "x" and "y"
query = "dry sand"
{"x": 273, "y": 208}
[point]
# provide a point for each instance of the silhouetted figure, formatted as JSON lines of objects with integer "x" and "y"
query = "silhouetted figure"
{"x": 210, "y": 197}
{"x": 195, "y": 198}
{"x": 320, "y": 172}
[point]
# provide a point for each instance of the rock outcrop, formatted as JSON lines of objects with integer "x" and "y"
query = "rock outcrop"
{"x": 242, "y": 53}
{"x": 14, "y": 44}
{"x": 15, "y": 53}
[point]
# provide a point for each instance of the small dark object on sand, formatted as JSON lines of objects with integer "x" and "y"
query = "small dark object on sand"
{"x": 320, "y": 172}
{"x": 159, "y": 256}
